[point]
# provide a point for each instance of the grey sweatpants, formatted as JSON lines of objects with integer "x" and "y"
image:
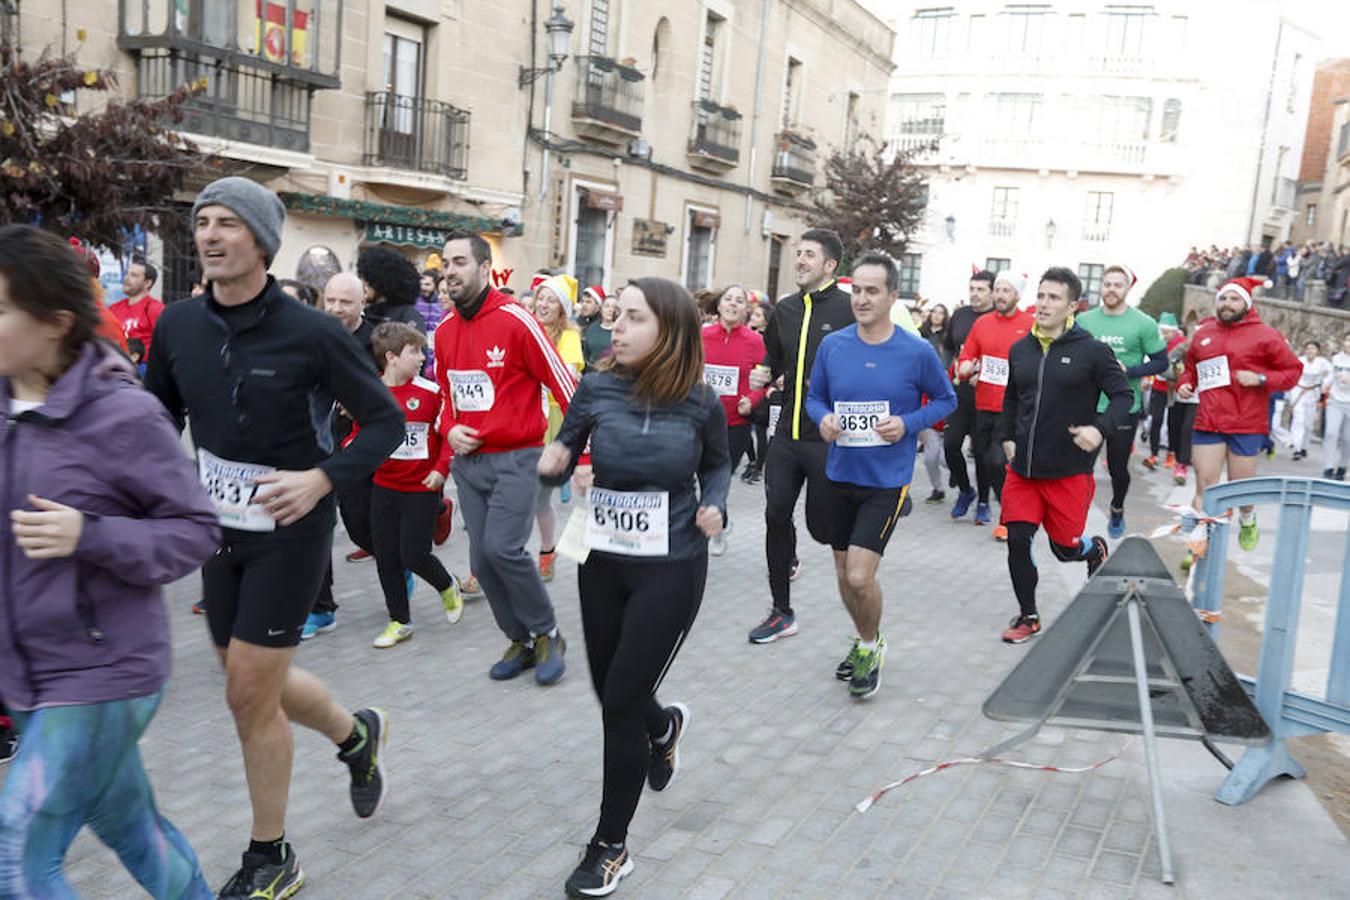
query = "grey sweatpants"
{"x": 497, "y": 493}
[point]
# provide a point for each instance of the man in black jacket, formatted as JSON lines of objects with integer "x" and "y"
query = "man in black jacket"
{"x": 796, "y": 453}
{"x": 961, "y": 424}
{"x": 1051, "y": 432}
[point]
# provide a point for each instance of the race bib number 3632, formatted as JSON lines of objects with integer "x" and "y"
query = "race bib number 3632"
{"x": 471, "y": 390}
{"x": 1213, "y": 373}
{"x": 232, "y": 487}
{"x": 857, "y": 422}
{"x": 629, "y": 523}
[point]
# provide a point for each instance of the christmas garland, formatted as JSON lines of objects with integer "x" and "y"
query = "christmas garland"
{"x": 387, "y": 214}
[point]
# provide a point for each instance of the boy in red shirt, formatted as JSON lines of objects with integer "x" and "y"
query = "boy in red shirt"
{"x": 407, "y": 488}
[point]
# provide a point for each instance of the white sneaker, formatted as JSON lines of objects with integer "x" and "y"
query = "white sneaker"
{"x": 394, "y": 633}
{"x": 717, "y": 545}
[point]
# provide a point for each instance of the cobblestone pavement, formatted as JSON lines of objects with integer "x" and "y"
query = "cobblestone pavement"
{"x": 495, "y": 787}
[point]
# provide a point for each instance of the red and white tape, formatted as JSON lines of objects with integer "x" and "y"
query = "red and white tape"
{"x": 866, "y": 803}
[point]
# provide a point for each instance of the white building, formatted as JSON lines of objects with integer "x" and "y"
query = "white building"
{"x": 1087, "y": 133}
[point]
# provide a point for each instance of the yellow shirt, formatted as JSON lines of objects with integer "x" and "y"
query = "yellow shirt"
{"x": 569, "y": 348}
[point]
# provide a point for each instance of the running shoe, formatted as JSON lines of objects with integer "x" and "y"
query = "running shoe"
{"x": 394, "y": 633}
{"x": 565, "y": 492}
{"x": 1180, "y": 473}
{"x": 962, "y": 504}
{"x": 938, "y": 496}
{"x": 1151, "y": 461}
{"x": 1248, "y": 535}
{"x": 470, "y": 589}
{"x": 795, "y": 570}
{"x": 258, "y": 879}
{"x": 1340, "y": 473}
{"x": 1022, "y": 629}
{"x": 547, "y": 562}
{"x": 9, "y": 744}
{"x": 1115, "y": 525}
{"x": 518, "y": 657}
{"x": 357, "y": 555}
{"x": 409, "y": 585}
{"x": 1300, "y": 455}
{"x": 318, "y": 623}
{"x": 844, "y": 671}
{"x": 751, "y": 475}
{"x": 982, "y": 514}
{"x": 452, "y": 602}
{"x": 1000, "y": 532}
{"x": 717, "y": 546}
{"x": 1328, "y": 474}
{"x": 1096, "y": 557}
{"x": 199, "y": 608}
{"x": 1170, "y": 461}
{"x": 906, "y": 505}
{"x": 368, "y": 784}
{"x": 549, "y": 662}
{"x": 445, "y": 522}
{"x": 866, "y": 679}
{"x": 665, "y": 758}
{"x": 598, "y": 873}
{"x": 1188, "y": 560}
{"x": 779, "y": 624}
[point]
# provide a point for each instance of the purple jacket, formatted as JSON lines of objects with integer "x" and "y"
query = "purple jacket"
{"x": 92, "y": 627}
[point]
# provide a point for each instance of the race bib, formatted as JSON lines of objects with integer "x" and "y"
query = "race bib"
{"x": 994, "y": 370}
{"x": 856, "y": 421}
{"x": 629, "y": 523}
{"x": 722, "y": 379}
{"x": 232, "y": 487}
{"x": 1212, "y": 373}
{"x": 414, "y": 444}
{"x": 775, "y": 412}
{"x": 471, "y": 390}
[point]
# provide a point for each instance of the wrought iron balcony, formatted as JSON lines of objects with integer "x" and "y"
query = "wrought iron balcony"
{"x": 608, "y": 104}
{"x": 794, "y": 163}
{"x": 714, "y": 144}
{"x": 416, "y": 133}
{"x": 1002, "y": 227}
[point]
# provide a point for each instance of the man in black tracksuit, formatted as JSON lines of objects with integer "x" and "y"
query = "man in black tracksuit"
{"x": 796, "y": 452}
{"x": 1051, "y": 432}
{"x": 961, "y": 424}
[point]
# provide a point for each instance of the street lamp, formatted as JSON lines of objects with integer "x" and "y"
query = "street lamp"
{"x": 1050, "y": 229}
{"x": 559, "y": 30}
{"x": 951, "y": 227}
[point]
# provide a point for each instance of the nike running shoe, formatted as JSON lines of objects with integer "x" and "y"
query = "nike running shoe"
{"x": 1248, "y": 535}
{"x": 549, "y": 662}
{"x": 751, "y": 475}
{"x": 547, "y": 562}
{"x": 866, "y": 679}
{"x": 258, "y": 879}
{"x": 357, "y": 555}
{"x": 598, "y": 873}
{"x": 368, "y": 784}
{"x": 778, "y": 625}
{"x": 518, "y": 657}
{"x": 962, "y": 504}
{"x": 982, "y": 514}
{"x": 318, "y": 623}
{"x": 844, "y": 671}
{"x": 1096, "y": 557}
{"x": 1115, "y": 525}
{"x": 665, "y": 758}
{"x": 1151, "y": 462}
{"x": 1022, "y": 629}
{"x": 199, "y": 608}
{"x": 1180, "y": 473}
{"x": 445, "y": 522}
{"x": 470, "y": 589}
{"x": 452, "y": 602}
{"x": 938, "y": 496}
{"x": 394, "y": 633}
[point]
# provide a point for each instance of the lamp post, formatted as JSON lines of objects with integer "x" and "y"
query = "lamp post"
{"x": 559, "y": 30}
{"x": 1050, "y": 229}
{"x": 950, "y": 222}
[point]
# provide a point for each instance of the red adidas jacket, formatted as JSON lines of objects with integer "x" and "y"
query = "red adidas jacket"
{"x": 490, "y": 369}
{"x": 1217, "y": 352}
{"x": 741, "y": 349}
{"x": 990, "y": 339}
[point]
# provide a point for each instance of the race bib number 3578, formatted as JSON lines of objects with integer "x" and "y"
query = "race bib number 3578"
{"x": 232, "y": 487}
{"x": 629, "y": 523}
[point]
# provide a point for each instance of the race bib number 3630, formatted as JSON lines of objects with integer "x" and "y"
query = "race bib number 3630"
{"x": 471, "y": 390}
{"x": 629, "y": 523}
{"x": 1213, "y": 373}
{"x": 857, "y": 422}
{"x": 232, "y": 487}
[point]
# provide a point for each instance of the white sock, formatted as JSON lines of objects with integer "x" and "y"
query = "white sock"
{"x": 1247, "y": 518}
{"x": 869, "y": 646}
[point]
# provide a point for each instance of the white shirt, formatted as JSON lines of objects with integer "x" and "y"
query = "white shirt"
{"x": 1316, "y": 372}
{"x": 1340, "y": 378}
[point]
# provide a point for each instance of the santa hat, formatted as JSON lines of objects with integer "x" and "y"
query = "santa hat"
{"x": 596, "y": 293}
{"x": 1129, "y": 273}
{"x": 86, "y": 255}
{"x": 536, "y": 281}
{"x": 1015, "y": 280}
{"x": 565, "y": 287}
{"x": 1243, "y": 287}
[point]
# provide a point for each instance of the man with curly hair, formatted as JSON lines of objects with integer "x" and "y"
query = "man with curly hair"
{"x": 392, "y": 286}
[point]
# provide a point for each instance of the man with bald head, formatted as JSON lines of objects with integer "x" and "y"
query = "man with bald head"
{"x": 344, "y": 296}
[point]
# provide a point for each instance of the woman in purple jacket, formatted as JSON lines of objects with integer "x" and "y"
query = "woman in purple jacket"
{"x": 101, "y": 506}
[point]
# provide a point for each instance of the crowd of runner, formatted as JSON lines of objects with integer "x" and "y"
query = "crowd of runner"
{"x": 362, "y": 403}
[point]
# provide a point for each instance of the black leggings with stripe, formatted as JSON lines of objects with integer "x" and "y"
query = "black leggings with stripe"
{"x": 636, "y": 615}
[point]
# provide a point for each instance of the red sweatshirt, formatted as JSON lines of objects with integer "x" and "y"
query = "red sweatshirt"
{"x": 490, "y": 369}
{"x": 990, "y": 339}
{"x": 1217, "y": 353}
{"x": 423, "y": 450}
{"x": 138, "y": 320}
{"x": 728, "y": 357}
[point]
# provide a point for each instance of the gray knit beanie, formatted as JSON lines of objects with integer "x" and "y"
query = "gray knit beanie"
{"x": 261, "y": 210}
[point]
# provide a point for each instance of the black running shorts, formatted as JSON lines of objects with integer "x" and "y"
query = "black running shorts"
{"x": 261, "y": 591}
{"x": 864, "y": 516}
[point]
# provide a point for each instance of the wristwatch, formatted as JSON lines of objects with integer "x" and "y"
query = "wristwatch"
{"x": 1263, "y": 379}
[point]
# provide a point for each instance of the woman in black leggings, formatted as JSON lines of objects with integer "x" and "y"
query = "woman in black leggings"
{"x": 652, "y": 426}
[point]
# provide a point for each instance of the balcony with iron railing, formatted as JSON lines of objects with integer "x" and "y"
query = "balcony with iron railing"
{"x": 1096, "y": 232}
{"x": 417, "y": 134}
{"x": 715, "y": 139}
{"x": 794, "y": 163}
{"x": 609, "y": 99}
{"x": 1004, "y": 228}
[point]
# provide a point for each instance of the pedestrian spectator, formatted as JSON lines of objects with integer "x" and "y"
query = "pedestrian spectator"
{"x": 138, "y": 311}
{"x": 588, "y": 307}
{"x": 595, "y": 340}
{"x": 392, "y": 286}
{"x": 428, "y": 300}
{"x": 934, "y": 330}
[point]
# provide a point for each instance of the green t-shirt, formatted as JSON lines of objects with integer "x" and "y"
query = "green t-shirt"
{"x": 1131, "y": 336}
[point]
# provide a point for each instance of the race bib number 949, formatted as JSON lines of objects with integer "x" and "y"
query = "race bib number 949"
{"x": 629, "y": 523}
{"x": 857, "y": 421}
{"x": 472, "y": 390}
{"x": 1213, "y": 373}
{"x": 232, "y": 487}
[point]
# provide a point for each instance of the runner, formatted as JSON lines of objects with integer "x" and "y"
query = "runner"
{"x": 554, "y": 303}
{"x": 1162, "y": 396}
{"x": 984, "y": 358}
{"x": 1234, "y": 362}
{"x": 796, "y": 452}
{"x": 492, "y": 358}
{"x": 1051, "y": 431}
{"x": 1306, "y": 396}
{"x": 1134, "y": 338}
{"x": 256, "y": 374}
{"x": 1336, "y": 435}
{"x": 87, "y": 540}
{"x": 392, "y": 286}
{"x": 867, "y": 390}
{"x": 652, "y": 427}
{"x": 961, "y": 424}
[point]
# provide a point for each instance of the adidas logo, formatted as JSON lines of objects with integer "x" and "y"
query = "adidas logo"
{"x": 496, "y": 357}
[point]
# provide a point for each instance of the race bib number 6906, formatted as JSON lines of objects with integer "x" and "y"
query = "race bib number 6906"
{"x": 629, "y": 523}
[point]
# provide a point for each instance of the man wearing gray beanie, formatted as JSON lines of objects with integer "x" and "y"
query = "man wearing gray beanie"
{"x": 257, "y": 373}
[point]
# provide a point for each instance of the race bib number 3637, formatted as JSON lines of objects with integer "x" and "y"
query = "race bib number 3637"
{"x": 232, "y": 487}
{"x": 857, "y": 422}
{"x": 629, "y": 523}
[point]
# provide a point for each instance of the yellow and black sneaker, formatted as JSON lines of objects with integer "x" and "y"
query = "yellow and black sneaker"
{"x": 260, "y": 879}
{"x": 599, "y": 872}
{"x": 368, "y": 783}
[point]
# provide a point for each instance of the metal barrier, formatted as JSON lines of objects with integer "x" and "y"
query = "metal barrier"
{"x": 1289, "y": 713}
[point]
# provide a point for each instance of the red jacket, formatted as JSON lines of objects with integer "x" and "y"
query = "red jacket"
{"x": 1218, "y": 351}
{"x": 990, "y": 339}
{"x": 742, "y": 349}
{"x": 423, "y": 450}
{"x": 490, "y": 369}
{"x": 138, "y": 321}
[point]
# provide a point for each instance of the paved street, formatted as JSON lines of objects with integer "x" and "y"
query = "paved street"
{"x": 495, "y": 787}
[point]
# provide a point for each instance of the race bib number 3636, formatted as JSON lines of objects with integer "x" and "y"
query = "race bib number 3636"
{"x": 994, "y": 370}
{"x": 629, "y": 523}
{"x": 857, "y": 422}
{"x": 232, "y": 487}
{"x": 1213, "y": 373}
{"x": 471, "y": 390}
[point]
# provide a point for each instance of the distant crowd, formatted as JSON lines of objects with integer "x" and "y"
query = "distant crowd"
{"x": 1288, "y": 266}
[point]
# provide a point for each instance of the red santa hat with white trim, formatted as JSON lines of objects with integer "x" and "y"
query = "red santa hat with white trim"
{"x": 595, "y": 292}
{"x": 1132, "y": 278}
{"x": 1243, "y": 287}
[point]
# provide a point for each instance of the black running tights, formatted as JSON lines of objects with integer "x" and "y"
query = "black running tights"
{"x": 1180, "y": 429}
{"x": 1157, "y": 408}
{"x": 402, "y": 524}
{"x": 738, "y": 442}
{"x": 1119, "y": 443}
{"x": 1022, "y": 567}
{"x": 635, "y": 615}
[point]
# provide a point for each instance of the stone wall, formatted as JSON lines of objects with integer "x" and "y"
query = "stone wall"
{"x": 1299, "y": 322}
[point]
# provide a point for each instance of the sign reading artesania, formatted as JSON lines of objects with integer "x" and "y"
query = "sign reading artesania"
{"x": 407, "y": 235}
